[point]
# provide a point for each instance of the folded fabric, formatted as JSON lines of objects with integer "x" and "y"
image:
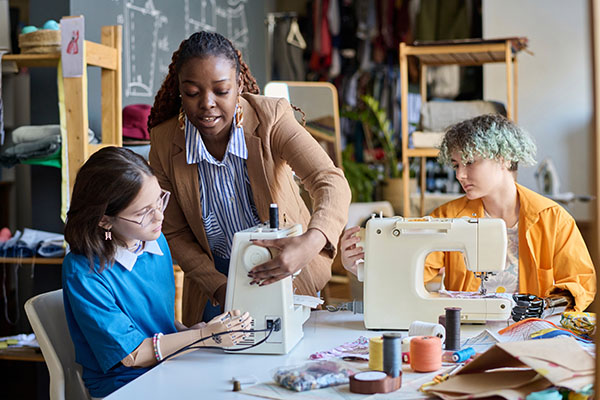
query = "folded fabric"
{"x": 9, "y": 156}
{"x": 54, "y": 247}
{"x": 32, "y": 133}
{"x": 32, "y": 241}
{"x": 436, "y": 116}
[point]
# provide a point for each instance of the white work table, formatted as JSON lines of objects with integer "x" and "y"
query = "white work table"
{"x": 208, "y": 373}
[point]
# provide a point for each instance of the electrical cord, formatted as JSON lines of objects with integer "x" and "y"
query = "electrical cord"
{"x": 192, "y": 346}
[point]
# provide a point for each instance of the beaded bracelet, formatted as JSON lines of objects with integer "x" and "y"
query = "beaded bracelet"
{"x": 156, "y": 344}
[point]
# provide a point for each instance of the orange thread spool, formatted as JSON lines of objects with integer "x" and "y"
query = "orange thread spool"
{"x": 426, "y": 353}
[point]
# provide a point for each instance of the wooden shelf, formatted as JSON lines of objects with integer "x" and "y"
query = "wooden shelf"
{"x": 33, "y": 60}
{"x": 107, "y": 56}
{"x": 460, "y": 52}
{"x": 31, "y": 260}
{"x": 22, "y": 354}
{"x": 422, "y": 152}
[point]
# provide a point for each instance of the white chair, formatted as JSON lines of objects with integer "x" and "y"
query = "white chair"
{"x": 46, "y": 315}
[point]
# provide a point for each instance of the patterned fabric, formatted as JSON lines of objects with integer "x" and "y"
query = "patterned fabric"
{"x": 225, "y": 192}
{"x": 582, "y": 323}
{"x": 507, "y": 281}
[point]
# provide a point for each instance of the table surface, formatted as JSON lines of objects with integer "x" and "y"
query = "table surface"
{"x": 208, "y": 373}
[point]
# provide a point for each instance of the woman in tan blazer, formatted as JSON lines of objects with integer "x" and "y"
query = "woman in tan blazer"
{"x": 208, "y": 119}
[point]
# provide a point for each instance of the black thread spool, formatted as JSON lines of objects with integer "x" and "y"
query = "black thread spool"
{"x": 452, "y": 328}
{"x": 392, "y": 352}
{"x": 274, "y": 216}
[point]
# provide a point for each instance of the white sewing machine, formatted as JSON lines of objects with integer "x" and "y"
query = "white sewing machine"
{"x": 264, "y": 303}
{"x": 395, "y": 251}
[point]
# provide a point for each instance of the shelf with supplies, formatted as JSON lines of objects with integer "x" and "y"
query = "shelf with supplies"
{"x": 107, "y": 56}
{"x": 467, "y": 52}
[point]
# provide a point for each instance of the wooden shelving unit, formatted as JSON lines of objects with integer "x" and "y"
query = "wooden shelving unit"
{"x": 470, "y": 52}
{"x": 107, "y": 56}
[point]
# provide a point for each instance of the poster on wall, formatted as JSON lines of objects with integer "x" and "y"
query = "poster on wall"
{"x": 72, "y": 36}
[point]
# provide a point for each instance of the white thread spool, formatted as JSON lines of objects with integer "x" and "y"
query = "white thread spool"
{"x": 421, "y": 328}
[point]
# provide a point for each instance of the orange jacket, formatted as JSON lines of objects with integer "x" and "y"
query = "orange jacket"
{"x": 552, "y": 253}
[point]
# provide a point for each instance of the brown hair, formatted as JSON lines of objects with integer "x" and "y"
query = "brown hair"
{"x": 199, "y": 45}
{"x": 105, "y": 185}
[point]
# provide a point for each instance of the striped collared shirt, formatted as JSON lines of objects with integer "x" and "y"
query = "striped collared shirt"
{"x": 225, "y": 192}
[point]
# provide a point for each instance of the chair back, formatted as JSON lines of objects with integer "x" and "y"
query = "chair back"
{"x": 46, "y": 314}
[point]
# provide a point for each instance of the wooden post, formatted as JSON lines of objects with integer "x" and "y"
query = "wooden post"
{"x": 404, "y": 125}
{"x": 76, "y": 109}
{"x": 112, "y": 117}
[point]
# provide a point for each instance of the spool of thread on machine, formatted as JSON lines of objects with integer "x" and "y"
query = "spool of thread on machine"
{"x": 463, "y": 355}
{"x": 452, "y": 328}
{"x": 274, "y": 216}
{"x": 421, "y": 328}
{"x": 426, "y": 353}
{"x": 376, "y": 354}
{"x": 392, "y": 353}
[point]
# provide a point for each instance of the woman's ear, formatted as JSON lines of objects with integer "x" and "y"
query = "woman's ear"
{"x": 105, "y": 223}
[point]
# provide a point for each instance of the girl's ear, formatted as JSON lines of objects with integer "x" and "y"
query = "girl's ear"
{"x": 105, "y": 223}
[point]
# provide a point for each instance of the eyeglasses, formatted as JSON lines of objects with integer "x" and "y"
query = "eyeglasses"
{"x": 148, "y": 216}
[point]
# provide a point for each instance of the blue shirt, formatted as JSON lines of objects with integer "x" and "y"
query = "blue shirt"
{"x": 110, "y": 313}
{"x": 225, "y": 192}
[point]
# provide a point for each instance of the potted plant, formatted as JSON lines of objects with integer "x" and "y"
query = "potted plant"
{"x": 378, "y": 130}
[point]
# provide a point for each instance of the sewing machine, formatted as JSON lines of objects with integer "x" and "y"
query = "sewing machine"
{"x": 264, "y": 303}
{"x": 395, "y": 251}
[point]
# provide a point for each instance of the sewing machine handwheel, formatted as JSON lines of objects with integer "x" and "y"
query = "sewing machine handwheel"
{"x": 255, "y": 255}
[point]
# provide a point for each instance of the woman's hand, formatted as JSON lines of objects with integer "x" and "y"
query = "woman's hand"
{"x": 351, "y": 253}
{"x": 231, "y": 322}
{"x": 294, "y": 253}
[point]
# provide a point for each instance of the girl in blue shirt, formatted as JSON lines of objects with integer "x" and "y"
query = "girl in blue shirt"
{"x": 118, "y": 281}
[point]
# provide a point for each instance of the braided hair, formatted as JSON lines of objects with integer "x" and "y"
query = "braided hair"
{"x": 199, "y": 45}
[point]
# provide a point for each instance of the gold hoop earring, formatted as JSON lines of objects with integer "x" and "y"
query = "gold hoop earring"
{"x": 239, "y": 115}
{"x": 181, "y": 119}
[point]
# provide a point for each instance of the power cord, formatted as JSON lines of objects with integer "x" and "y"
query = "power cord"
{"x": 275, "y": 327}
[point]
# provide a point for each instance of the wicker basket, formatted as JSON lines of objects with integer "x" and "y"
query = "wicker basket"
{"x": 40, "y": 41}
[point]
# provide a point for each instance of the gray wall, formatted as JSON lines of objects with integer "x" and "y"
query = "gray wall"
{"x": 555, "y": 85}
{"x": 153, "y": 30}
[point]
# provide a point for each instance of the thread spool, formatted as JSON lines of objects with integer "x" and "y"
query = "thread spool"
{"x": 406, "y": 349}
{"x": 274, "y": 216}
{"x": 376, "y": 354}
{"x": 463, "y": 355}
{"x": 442, "y": 320}
{"x": 452, "y": 328}
{"x": 426, "y": 353}
{"x": 392, "y": 353}
{"x": 421, "y": 328}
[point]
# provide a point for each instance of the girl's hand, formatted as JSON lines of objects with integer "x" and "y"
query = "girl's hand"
{"x": 351, "y": 253}
{"x": 294, "y": 253}
{"x": 231, "y": 322}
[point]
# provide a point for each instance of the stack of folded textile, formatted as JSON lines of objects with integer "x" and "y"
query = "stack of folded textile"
{"x": 31, "y": 242}
{"x": 38, "y": 144}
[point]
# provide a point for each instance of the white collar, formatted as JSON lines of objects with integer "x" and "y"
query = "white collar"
{"x": 128, "y": 259}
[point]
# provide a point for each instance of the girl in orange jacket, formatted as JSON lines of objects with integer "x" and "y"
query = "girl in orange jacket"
{"x": 546, "y": 254}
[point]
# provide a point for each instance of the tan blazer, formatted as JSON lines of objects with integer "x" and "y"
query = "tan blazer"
{"x": 276, "y": 143}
